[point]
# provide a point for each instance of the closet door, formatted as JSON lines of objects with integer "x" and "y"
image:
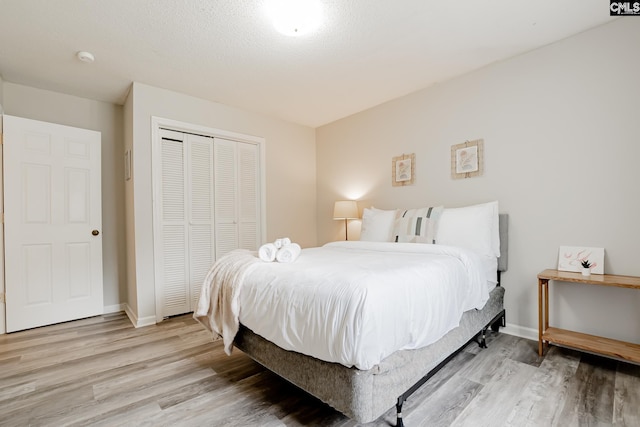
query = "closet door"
{"x": 237, "y": 203}
{"x": 226, "y": 196}
{"x": 172, "y": 263}
{"x": 207, "y": 203}
{"x": 184, "y": 229}
{"x": 248, "y": 198}
{"x": 201, "y": 236}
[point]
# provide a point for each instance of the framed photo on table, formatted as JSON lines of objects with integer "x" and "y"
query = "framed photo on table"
{"x": 570, "y": 258}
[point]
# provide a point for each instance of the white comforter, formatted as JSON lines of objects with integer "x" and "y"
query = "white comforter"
{"x": 356, "y": 303}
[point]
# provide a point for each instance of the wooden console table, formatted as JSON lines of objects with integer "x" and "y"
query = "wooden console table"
{"x": 590, "y": 343}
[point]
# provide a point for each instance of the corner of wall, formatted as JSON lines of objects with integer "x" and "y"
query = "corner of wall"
{"x": 3, "y": 327}
{"x": 136, "y": 321}
{"x": 131, "y": 286}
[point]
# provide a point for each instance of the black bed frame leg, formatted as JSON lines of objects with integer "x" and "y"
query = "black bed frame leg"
{"x": 399, "y": 422}
{"x": 481, "y": 338}
{"x": 499, "y": 320}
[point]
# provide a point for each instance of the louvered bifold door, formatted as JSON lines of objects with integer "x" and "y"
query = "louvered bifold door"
{"x": 249, "y": 191}
{"x": 226, "y": 196}
{"x": 200, "y": 212}
{"x": 173, "y": 265}
{"x": 186, "y": 233}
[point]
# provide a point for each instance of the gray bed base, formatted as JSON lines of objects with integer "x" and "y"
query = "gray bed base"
{"x": 365, "y": 395}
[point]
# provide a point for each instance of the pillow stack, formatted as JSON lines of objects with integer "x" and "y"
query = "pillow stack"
{"x": 402, "y": 226}
{"x": 472, "y": 227}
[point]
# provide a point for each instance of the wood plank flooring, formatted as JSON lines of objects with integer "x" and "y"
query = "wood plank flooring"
{"x": 103, "y": 372}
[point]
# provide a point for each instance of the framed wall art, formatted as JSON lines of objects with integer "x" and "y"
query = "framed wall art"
{"x": 403, "y": 170}
{"x": 467, "y": 159}
{"x": 570, "y": 257}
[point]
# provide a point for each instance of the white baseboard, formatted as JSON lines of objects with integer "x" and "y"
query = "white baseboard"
{"x": 116, "y": 308}
{"x": 132, "y": 317}
{"x": 138, "y": 322}
{"x": 520, "y": 331}
{"x": 146, "y": 321}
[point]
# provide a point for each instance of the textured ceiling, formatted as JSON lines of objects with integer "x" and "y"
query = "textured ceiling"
{"x": 366, "y": 52}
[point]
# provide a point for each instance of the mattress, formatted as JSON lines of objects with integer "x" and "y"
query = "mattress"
{"x": 356, "y": 303}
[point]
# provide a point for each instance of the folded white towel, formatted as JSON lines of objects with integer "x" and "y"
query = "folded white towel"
{"x": 288, "y": 253}
{"x": 267, "y": 252}
{"x": 279, "y": 243}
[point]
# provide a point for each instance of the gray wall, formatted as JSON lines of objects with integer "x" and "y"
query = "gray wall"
{"x": 561, "y": 155}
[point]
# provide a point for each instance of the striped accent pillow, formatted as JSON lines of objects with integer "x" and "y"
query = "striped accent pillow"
{"x": 417, "y": 225}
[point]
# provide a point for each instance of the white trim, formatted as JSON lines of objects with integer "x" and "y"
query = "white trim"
{"x": 157, "y": 125}
{"x": 159, "y": 122}
{"x": 520, "y": 331}
{"x": 138, "y": 323}
{"x": 130, "y": 314}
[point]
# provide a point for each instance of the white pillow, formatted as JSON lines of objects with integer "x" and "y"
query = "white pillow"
{"x": 472, "y": 227}
{"x": 377, "y": 225}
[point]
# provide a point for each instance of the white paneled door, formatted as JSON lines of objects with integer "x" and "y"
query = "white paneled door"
{"x": 53, "y": 223}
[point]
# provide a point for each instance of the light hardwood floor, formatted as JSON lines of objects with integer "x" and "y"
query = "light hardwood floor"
{"x": 103, "y": 372}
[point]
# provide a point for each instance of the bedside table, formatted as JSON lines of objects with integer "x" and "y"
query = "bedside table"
{"x": 590, "y": 343}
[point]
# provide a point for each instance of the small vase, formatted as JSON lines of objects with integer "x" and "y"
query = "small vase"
{"x": 586, "y": 271}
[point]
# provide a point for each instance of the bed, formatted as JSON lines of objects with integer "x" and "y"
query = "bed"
{"x": 365, "y": 375}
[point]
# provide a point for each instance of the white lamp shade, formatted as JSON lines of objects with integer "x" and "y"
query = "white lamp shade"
{"x": 345, "y": 209}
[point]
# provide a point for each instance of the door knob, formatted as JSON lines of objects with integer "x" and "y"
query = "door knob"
{"x": 95, "y": 232}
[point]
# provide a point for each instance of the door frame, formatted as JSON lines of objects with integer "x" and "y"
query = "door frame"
{"x": 158, "y": 123}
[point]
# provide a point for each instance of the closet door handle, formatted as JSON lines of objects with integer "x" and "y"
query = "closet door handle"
{"x": 95, "y": 232}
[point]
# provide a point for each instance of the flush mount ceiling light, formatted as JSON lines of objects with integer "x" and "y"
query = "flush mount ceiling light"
{"x": 295, "y": 17}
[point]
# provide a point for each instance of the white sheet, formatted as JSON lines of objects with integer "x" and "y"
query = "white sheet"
{"x": 356, "y": 303}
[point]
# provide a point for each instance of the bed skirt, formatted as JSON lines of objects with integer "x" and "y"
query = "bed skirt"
{"x": 365, "y": 395}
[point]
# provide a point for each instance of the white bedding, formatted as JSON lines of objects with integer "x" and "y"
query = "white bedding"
{"x": 356, "y": 303}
